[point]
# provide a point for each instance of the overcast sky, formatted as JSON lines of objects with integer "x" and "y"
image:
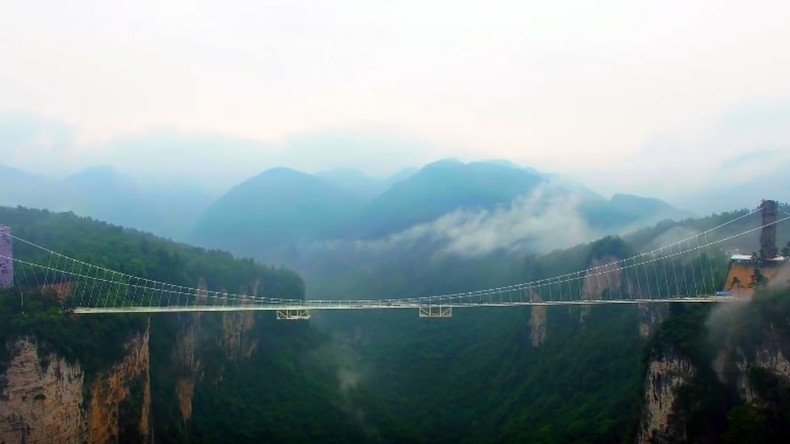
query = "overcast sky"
{"x": 619, "y": 95}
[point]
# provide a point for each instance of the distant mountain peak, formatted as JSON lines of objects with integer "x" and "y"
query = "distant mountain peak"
{"x": 504, "y": 163}
{"x": 443, "y": 163}
{"x": 283, "y": 171}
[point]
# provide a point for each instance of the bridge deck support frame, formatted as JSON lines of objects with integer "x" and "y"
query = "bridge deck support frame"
{"x": 436, "y": 311}
{"x": 301, "y": 314}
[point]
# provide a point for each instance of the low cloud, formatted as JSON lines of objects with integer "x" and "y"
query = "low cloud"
{"x": 546, "y": 219}
{"x": 671, "y": 236}
{"x": 341, "y": 352}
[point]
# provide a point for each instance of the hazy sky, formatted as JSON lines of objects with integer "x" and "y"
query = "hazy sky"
{"x": 620, "y": 95}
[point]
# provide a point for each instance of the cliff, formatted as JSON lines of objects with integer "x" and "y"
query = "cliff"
{"x": 41, "y": 397}
{"x": 538, "y": 320}
{"x": 47, "y": 399}
{"x": 230, "y": 336}
{"x": 666, "y": 376}
{"x": 120, "y": 398}
{"x": 719, "y": 374}
{"x": 650, "y": 318}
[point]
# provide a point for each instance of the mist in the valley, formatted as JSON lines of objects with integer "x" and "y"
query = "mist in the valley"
{"x": 445, "y": 222}
{"x": 540, "y": 221}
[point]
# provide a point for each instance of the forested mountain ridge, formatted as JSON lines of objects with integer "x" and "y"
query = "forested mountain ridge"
{"x": 299, "y": 219}
{"x": 129, "y": 378}
{"x": 442, "y": 187}
{"x": 485, "y": 375}
{"x": 278, "y": 208}
{"x": 280, "y": 213}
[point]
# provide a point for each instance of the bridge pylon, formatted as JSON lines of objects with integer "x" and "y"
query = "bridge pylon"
{"x": 6, "y": 258}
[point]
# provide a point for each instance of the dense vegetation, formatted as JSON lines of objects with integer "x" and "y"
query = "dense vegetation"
{"x": 141, "y": 254}
{"x": 711, "y": 408}
{"x": 263, "y": 396}
{"x": 392, "y": 377}
{"x": 43, "y": 318}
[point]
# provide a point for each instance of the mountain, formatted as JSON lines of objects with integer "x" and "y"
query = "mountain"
{"x": 318, "y": 223}
{"x": 361, "y": 184}
{"x": 18, "y": 186}
{"x": 442, "y": 187}
{"x": 276, "y": 209}
{"x": 602, "y": 373}
{"x": 9, "y": 176}
{"x": 103, "y": 193}
{"x": 625, "y": 211}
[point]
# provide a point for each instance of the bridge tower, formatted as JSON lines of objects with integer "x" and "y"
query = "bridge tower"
{"x": 768, "y": 248}
{"x": 6, "y": 258}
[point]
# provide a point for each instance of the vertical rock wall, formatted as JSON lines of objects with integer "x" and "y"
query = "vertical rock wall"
{"x": 42, "y": 397}
{"x": 126, "y": 381}
{"x": 538, "y": 321}
{"x": 665, "y": 376}
{"x": 650, "y": 317}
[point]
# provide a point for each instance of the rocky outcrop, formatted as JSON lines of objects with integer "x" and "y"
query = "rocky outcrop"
{"x": 185, "y": 356}
{"x": 604, "y": 279}
{"x": 125, "y": 382}
{"x": 40, "y": 397}
{"x": 43, "y": 397}
{"x": 650, "y": 317}
{"x": 236, "y": 340}
{"x": 666, "y": 375}
{"x": 537, "y": 321}
{"x": 768, "y": 357}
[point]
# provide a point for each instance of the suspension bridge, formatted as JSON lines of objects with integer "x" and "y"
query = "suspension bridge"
{"x": 681, "y": 271}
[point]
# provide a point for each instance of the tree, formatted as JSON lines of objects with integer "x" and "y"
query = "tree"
{"x": 736, "y": 284}
{"x": 758, "y": 279}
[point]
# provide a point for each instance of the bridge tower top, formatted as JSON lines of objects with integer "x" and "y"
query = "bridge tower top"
{"x": 6, "y": 258}
{"x": 768, "y": 248}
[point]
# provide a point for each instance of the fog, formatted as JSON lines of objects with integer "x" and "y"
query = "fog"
{"x": 664, "y": 99}
{"x": 526, "y": 225}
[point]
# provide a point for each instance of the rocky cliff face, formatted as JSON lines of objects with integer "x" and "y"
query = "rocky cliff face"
{"x": 734, "y": 366}
{"x": 650, "y": 317}
{"x": 186, "y": 358}
{"x": 720, "y": 374}
{"x": 606, "y": 278}
{"x": 44, "y": 398}
{"x": 537, "y": 321}
{"x": 236, "y": 341}
{"x": 666, "y": 375}
{"x": 40, "y": 397}
{"x": 120, "y": 398}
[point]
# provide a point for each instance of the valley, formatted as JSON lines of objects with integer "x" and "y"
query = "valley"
{"x": 555, "y": 374}
{"x": 408, "y": 222}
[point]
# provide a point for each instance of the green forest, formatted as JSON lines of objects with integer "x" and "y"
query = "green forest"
{"x": 390, "y": 376}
